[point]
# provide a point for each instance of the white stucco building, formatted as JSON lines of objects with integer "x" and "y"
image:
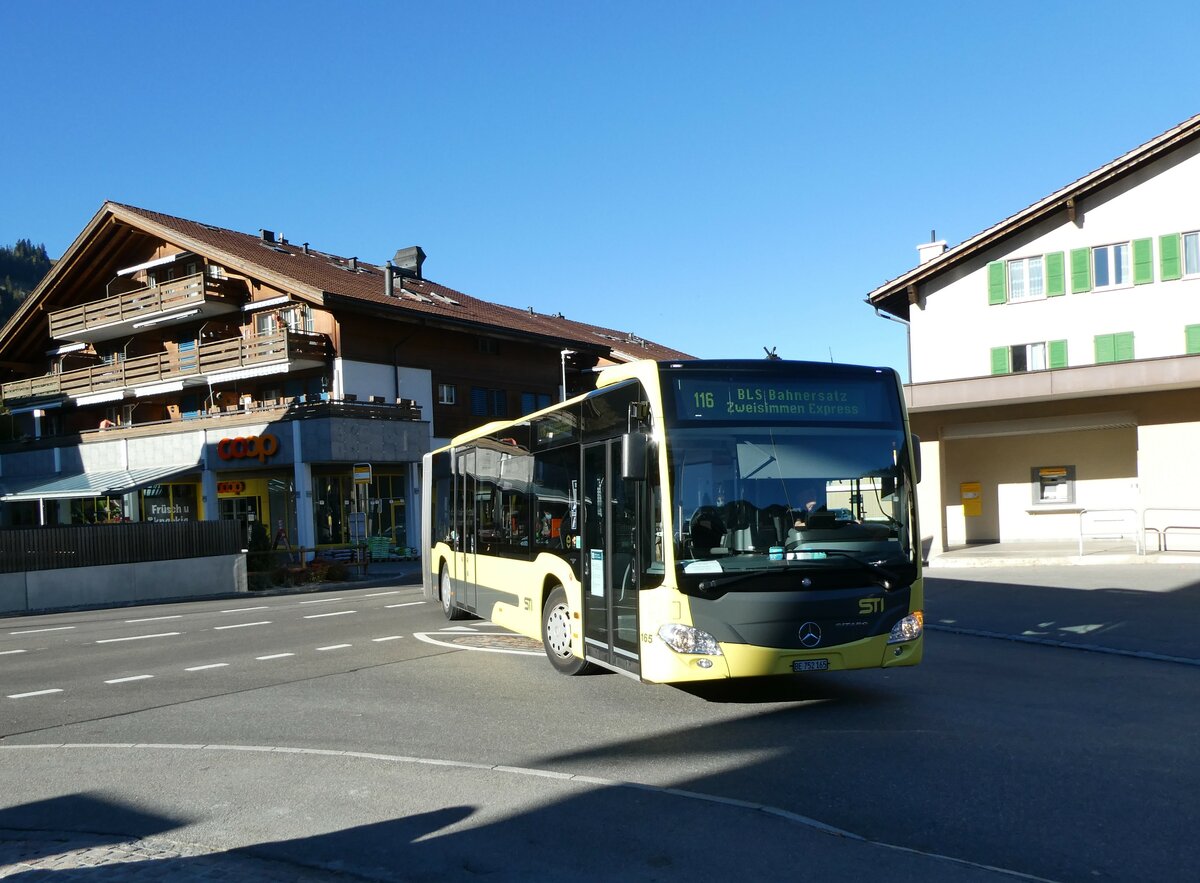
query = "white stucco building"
{"x": 1056, "y": 360}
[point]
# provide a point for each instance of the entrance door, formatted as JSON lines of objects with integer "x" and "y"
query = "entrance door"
{"x": 243, "y": 510}
{"x": 610, "y": 561}
{"x": 468, "y": 531}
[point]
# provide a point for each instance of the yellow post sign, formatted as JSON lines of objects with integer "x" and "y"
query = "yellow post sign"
{"x": 362, "y": 473}
{"x": 971, "y": 493}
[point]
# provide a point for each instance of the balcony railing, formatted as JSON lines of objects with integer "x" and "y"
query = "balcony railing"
{"x": 83, "y": 322}
{"x": 209, "y": 359}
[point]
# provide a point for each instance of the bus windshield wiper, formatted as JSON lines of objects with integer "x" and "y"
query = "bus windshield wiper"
{"x": 884, "y": 578}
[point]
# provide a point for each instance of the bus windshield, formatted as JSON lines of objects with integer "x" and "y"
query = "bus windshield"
{"x": 753, "y": 498}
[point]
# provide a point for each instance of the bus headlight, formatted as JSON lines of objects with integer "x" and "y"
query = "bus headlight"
{"x": 685, "y": 639}
{"x": 908, "y": 629}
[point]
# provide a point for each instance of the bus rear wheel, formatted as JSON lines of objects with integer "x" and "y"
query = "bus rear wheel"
{"x": 446, "y": 591}
{"x": 556, "y": 634}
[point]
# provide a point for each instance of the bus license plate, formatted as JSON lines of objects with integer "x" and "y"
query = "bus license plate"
{"x": 810, "y": 665}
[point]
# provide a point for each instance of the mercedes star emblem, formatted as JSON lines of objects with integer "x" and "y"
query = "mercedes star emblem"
{"x": 810, "y": 634}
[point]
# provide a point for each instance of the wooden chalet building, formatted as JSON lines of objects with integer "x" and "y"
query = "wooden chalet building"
{"x": 168, "y": 369}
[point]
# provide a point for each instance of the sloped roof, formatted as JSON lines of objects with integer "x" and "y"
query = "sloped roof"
{"x": 896, "y": 295}
{"x": 326, "y": 277}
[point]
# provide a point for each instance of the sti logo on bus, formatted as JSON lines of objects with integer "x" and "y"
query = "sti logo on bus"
{"x": 252, "y": 447}
{"x": 870, "y": 605}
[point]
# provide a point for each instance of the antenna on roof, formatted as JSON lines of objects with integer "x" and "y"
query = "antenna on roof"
{"x": 772, "y": 356}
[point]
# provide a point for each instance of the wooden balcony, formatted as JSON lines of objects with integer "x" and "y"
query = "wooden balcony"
{"x": 216, "y": 362}
{"x": 192, "y": 297}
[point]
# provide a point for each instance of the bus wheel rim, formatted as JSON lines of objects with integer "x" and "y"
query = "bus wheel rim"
{"x": 558, "y": 630}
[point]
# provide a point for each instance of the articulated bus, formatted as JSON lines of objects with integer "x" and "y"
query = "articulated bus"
{"x": 690, "y": 521}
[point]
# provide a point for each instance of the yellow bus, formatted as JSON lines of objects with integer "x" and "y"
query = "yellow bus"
{"x": 690, "y": 521}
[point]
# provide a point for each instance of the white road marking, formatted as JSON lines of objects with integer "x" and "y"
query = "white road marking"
{"x": 338, "y": 613}
{"x": 240, "y": 625}
{"x": 388, "y": 638}
{"x": 156, "y": 618}
{"x": 61, "y": 628}
{"x": 322, "y": 600}
{"x": 34, "y": 693}
{"x": 206, "y": 667}
{"x": 10, "y": 652}
{"x": 244, "y": 609}
{"x": 379, "y": 594}
{"x": 138, "y": 637}
{"x": 428, "y": 638}
{"x": 406, "y": 604}
{"x": 275, "y": 656}
{"x": 335, "y": 647}
{"x": 127, "y": 680}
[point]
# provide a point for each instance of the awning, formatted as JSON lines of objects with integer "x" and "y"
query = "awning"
{"x": 90, "y": 484}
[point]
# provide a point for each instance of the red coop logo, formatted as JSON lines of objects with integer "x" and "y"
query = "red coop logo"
{"x": 252, "y": 447}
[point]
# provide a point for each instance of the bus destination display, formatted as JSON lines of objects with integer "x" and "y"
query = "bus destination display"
{"x": 770, "y": 398}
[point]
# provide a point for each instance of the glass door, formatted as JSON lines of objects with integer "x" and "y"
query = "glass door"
{"x": 243, "y": 510}
{"x": 610, "y": 559}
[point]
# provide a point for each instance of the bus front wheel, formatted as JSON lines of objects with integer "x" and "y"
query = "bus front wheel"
{"x": 556, "y": 634}
{"x": 446, "y": 590}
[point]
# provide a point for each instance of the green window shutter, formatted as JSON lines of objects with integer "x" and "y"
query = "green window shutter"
{"x": 1123, "y": 346}
{"x": 1081, "y": 270}
{"x": 999, "y": 360}
{"x": 1055, "y": 274}
{"x": 1058, "y": 353}
{"x": 997, "y": 293}
{"x": 1143, "y": 261}
{"x": 1192, "y": 335}
{"x": 1168, "y": 257}
{"x": 1104, "y": 348}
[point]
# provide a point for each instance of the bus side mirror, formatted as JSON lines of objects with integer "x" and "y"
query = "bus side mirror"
{"x": 634, "y": 447}
{"x": 915, "y": 442}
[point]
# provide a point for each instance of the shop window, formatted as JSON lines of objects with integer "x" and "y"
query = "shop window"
{"x": 1053, "y": 485}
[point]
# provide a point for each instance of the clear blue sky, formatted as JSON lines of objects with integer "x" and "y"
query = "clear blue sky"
{"x": 718, "y": 177}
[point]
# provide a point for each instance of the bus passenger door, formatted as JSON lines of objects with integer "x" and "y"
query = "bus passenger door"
{"x": 610, "y": 565}
{"x": 467, "y": 518}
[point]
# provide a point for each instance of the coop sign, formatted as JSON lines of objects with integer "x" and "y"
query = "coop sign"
{"x": 252, "y": 447}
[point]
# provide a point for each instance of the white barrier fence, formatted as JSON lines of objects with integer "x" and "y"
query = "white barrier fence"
{"x": 1161, "y": 523}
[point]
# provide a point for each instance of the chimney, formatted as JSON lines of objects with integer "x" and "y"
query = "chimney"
{"x": 389, "y": 280}
{"x": 304, "y": 247}
{"x": 409, "y": 261}
{"x": 267, "y": 236}
{"x": 354, "y": 264}
{"x": 927, "y": 251}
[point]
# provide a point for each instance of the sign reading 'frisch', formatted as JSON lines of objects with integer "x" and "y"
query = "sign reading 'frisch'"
{"x": 772, "y": 399}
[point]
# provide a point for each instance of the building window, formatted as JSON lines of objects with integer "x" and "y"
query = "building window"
{"x": 1191, "y": 338}
{"x": 488, "y": 345}
{"x": 489, "y": 402}
{"x": 1191, "y": 254}
{"x": 534, "y": 401}
{"x": 447, "y": 394}
{"x": 1053, "y": 485}
{"x": 1114, "y": 347}
{"x": 1029, "y": 357}
{"x": 1111, "y": 266}
{"x": 1026, "y": 279}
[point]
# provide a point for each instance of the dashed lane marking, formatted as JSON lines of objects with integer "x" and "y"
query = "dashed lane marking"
{"x": 388, "y": 638}
{"x": 61, "y": 628}
{"x": 206, "y": 667}
{"x": 406, "y": 604}
{"x": 335, "y": 613}
{"x": 155, "y": 618}
{"x": 34, "y": 693}
{"x": 137, "y": 637}
{"x": 274, "y": 656}
{"x": 128, "y": 679}
{"x": 245, "y": 609}
{"x": 322, "y": 600}
{"x": 380, "y": 594}
{"x": 10, "y": 652}
{"x": 336, "y": 647}
{"x": 240, "y": 625}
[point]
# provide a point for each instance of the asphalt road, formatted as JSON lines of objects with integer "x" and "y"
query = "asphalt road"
{"x": 358, "y": 732}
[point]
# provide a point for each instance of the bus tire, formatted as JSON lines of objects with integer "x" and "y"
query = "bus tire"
{"x": 446, "y": 592}
{"x": 556, "y": 634}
